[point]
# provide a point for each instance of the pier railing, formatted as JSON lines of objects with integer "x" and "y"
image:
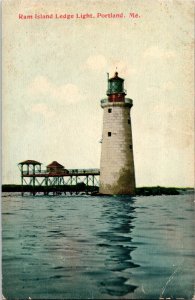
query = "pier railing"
{"x": 66, "y": 172}
{"x": 83, "y": 171}
{"x": 32, "y": 173}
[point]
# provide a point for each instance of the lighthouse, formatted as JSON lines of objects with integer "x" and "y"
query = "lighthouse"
{"x": 117, "y": 175}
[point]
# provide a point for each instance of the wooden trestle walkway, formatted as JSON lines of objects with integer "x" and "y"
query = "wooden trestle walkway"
{"x": 57, "y": 180}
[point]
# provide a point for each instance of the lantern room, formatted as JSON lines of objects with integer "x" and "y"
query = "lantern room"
{"x": 116, "y": 91}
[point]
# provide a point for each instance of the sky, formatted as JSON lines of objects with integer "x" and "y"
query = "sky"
{"x": 55, "y": 74}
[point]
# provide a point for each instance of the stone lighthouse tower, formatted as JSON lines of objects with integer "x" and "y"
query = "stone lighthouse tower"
{"x": 117, "y": 175}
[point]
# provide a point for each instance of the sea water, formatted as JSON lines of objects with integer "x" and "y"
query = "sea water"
{"x": 84, "y": 247}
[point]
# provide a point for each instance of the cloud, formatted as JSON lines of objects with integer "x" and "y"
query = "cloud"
{"x": 42, "y": 86}
{"x": 123, "y": 68}
{"x": 156, "y": 52}
{"x": 95, "y": 63}
{"x": 101, "y": 63}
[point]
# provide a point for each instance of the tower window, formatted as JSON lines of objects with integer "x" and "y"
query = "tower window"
{"x": 128, "y": 121}
{"x": 130, "y": 146}
{"x": 109, "y": 133}
{"x": 110, "y": 110}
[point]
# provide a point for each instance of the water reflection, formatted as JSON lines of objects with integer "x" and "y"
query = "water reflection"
{"x": 116, "y": 243}
{"x": 97, "y": 247}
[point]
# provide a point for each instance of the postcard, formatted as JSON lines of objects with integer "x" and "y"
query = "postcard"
{"x": 98, "y": 149}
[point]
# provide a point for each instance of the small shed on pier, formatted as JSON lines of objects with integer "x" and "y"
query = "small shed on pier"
{"x": 56, "y": 168}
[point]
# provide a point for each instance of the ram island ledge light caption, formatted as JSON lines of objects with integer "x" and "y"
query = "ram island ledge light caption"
{"x": 78, "y": 16}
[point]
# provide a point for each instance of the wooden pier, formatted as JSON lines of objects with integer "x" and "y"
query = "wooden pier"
{"x": 56, "y": 179}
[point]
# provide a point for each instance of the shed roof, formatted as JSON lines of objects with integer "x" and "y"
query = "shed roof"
{"x": 29, "y": 162}
{"x": 55, "y": 164}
